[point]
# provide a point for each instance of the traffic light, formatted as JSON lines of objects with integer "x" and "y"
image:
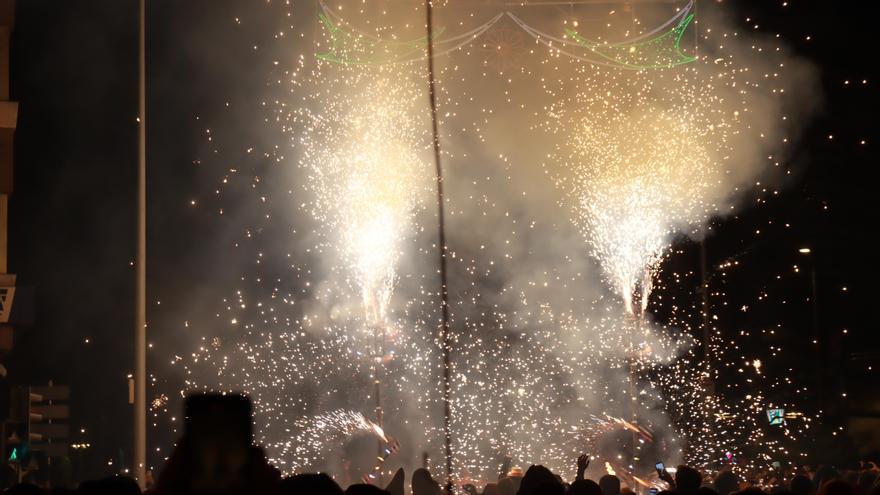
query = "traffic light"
{"x": 15, "y": 448}
{"x": 38, "y": 424}
{"x": 48, "y": 414}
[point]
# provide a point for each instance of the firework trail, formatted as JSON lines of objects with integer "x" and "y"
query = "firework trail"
{"x": 322, "y": 434}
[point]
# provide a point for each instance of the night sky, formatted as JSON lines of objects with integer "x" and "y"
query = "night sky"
{"x": 72, "y": 213}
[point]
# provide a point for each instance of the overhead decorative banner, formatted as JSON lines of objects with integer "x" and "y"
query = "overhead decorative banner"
{"x": 658, "y": 49}
{"x": 351, "y": 47}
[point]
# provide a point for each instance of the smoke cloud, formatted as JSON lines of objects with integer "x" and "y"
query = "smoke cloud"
{"x": 539, "y": 151}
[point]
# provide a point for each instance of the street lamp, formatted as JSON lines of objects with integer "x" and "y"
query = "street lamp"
{"x": 814, "y": 307}
{"x": 140, "y": 333}
{"x": 808, "y": 251}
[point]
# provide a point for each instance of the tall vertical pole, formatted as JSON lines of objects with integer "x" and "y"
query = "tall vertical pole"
{"x": 140, "y": 367}
{"x": 444, "y": 294}
{"x": 821, "y": 371}
{"x": 708, "y": 382}
{"x": 704, "y": 302}
{"x": 814, "y": 301}
{"x": 379, "y": 363}
{"x": 634, "y": 388}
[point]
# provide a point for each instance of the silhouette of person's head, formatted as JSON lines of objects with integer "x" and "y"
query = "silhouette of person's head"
{"x": 823, "y": 475}
{"x": 750, "y": 491}
{"x": 867, "y": 479}
{"x": 111, "y": 485}
{"x": 852, "y": 477}
{"x": 423, "y": 483}
{"x": 687, "y": 480}
{"x": 319, "y": 484}
{"x": 25, "y": 489}
{"x": 538, "y": 477}
{"x": 395, "y": 486}
{"x": 556, "y": 488}
{"x": 801, "y": 485}
{"x": 506, "y": 487}
{"x": 585, "y": 487}
{"x": 727, "y": 483}
{"x": 837, "y": 487}
{"x": 609, "y": 484}
{"x": 364, "y": 489}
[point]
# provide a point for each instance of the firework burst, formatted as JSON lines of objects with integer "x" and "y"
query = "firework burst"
{"x": 640, "y": 157}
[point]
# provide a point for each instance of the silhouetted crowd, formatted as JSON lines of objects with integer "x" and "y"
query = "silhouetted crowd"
{"x": 258, "y": 477}
{"x": 215, "y": 457}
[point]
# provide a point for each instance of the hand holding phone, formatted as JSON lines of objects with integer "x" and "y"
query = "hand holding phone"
{"x": 664, "y": 474}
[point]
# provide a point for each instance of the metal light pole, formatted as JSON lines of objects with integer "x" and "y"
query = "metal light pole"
{"x": 634, "y": 388}
{"x": 705, "y": 321}
{"x": 445, "y": 339}
{"x": 140, "y": 333}
{"x": 813, "y": 293}
{"x": 814, "y": 313}
{"x": 378, "y": 368}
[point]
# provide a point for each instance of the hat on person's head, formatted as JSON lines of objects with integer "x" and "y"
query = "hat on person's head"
{"x": 515, "y": 472}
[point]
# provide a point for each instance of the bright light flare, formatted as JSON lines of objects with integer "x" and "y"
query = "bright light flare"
{"x": 641, "y": 175}
{"x": 367, "y": 173}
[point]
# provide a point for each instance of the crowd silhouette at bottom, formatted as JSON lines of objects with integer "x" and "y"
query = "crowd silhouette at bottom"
{"x": 216, "y": 456}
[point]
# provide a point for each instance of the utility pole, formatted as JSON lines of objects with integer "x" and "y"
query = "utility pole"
{"x": 704, "y": 303}
{"x": 818, "y": 338}
{"x": 140, "y": 333}
{"x": 445, "y": 337}
{"x": 378, "y": 364}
